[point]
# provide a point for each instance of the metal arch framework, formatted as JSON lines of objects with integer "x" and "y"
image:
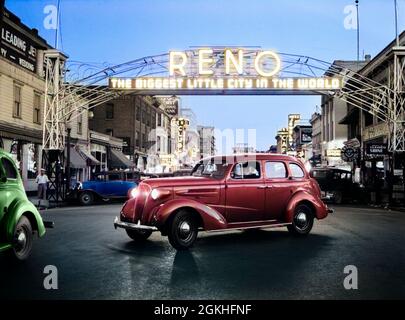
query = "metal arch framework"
{"x": 85, "y": 88}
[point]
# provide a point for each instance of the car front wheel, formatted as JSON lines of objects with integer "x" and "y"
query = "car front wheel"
{"x": 86, "y": 198}
{"x": 22, "y": 239}
{"x": 183, "y": 230}
{"x": 303, "y": 220}
{"x": 138, "y": 235}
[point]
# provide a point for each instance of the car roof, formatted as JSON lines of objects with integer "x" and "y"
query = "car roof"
{"x": 254, "y": 156}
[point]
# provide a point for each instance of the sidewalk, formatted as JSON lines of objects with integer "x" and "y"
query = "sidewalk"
{"x": 47, "y": 204}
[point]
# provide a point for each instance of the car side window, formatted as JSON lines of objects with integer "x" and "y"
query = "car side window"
{"x": 296, "y": 171}
{"x": 275, "y": 170}
{"x": 246, "y": 170}
{"x": 9, "y": 169}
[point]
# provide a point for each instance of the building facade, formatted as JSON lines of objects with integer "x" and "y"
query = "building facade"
{"x": 207, "y": 141}
{"x": 380, "y": 171}
{"x": 333, "y": 110}
{"x": 22, "y": 87}
{"x": 141, "y": 122}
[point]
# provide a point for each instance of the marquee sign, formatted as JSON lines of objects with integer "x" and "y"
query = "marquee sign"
{"x": 229, "y": 69}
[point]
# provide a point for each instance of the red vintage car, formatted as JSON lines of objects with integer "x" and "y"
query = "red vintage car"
{"x": 225, "y": 193}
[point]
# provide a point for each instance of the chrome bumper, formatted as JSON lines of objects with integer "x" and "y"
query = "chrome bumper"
{"x": 132, "y": 226}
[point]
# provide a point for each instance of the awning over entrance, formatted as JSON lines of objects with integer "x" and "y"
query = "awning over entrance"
{"x": 119, "y": 160}
{"x": 76, "y": 160}
{"x": 89, "y": 157}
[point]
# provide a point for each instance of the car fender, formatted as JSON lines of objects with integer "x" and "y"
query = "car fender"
{"x": 14, "y": 213}
{"x": 300, "y": 196}
{"x": 212, "y": 219}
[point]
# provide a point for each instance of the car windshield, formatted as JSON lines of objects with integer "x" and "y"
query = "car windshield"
{"x": 209, "y": 169}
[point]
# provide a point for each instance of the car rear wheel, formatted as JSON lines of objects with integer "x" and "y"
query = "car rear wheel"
{"x": 86, "y": 198}
{"x": 22, "y": 239}
{"x": 138, "y": 235}
{"x": 338, "y": 197}
{"x": 183, "y": 230}
{"x": 303, "y": 220}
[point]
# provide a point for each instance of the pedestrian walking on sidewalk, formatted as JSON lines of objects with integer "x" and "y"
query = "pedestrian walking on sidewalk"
{"x": 42, "y": 181}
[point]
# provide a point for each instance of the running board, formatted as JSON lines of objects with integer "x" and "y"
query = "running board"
{"x": 274, "y": 225}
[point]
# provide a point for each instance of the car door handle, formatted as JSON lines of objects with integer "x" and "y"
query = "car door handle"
{"x": 262, "y": 187}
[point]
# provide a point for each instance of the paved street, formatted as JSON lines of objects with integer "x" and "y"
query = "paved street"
{"x": 95, "y": 261}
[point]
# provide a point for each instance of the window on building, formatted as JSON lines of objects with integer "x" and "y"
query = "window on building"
{"x": 144, "y": 141}
{"x": 153, "y": 119}
{"x": 80, "y": 122}
{"x": 158, "y": 142}
{"x": 37, "y": 108}
{"x": 110, "y": 132}
{"x": 126, "y": 148}
{"x": 138, "y": 113}
{"x": 148, "y": 119}
{"x": 159, "y": 119}
{"x": 109, "y": 111}
{"x": 137, "y": 139}
{"x": 17, "y": 101}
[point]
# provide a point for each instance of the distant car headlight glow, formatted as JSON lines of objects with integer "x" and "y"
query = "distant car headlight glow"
{"x": 154, "y": 194}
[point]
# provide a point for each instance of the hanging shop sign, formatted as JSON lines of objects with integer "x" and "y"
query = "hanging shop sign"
{"x": 376, "y": 148}
{"x": 333, "y": 153}
{"x": 349, "y": 153}
{"x": 17, "y": 48}
{"x": 236, "y": 69}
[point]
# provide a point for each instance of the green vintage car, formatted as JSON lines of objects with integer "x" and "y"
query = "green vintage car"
{"x": 19, "y": 218}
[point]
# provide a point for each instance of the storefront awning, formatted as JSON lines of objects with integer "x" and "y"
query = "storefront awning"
{"x": 88, "y": 156}
{"x": 119, "y": 160}
{"x": 76, "y": 160}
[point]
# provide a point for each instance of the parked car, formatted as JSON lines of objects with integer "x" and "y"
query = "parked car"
{"x": 336, "y": 184}
{"x": 225, "y": 193}
{"x": 105, "y": 186}
{"x": 19, "y": 218}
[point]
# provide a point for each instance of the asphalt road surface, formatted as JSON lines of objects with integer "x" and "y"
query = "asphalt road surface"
{"x": 94, "y": 261}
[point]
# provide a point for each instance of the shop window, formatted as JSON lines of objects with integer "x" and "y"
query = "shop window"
{"x": 17, "y": 101}
{"x": 32, "y": 167}
{"x": 109, "y": 111}
{"x": 37, "y": 108}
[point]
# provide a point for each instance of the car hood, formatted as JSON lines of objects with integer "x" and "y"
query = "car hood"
{"x": 179, "y": 181}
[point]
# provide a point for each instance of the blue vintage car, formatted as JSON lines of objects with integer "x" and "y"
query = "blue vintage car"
{"x": 105, "y": 186}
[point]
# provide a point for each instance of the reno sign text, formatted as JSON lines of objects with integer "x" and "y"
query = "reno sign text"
{"x": 227, "y": 69}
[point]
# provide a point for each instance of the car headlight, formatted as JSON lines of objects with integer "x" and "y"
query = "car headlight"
{"x": 134, "y": 193}
{"x": 154, "y": 194}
